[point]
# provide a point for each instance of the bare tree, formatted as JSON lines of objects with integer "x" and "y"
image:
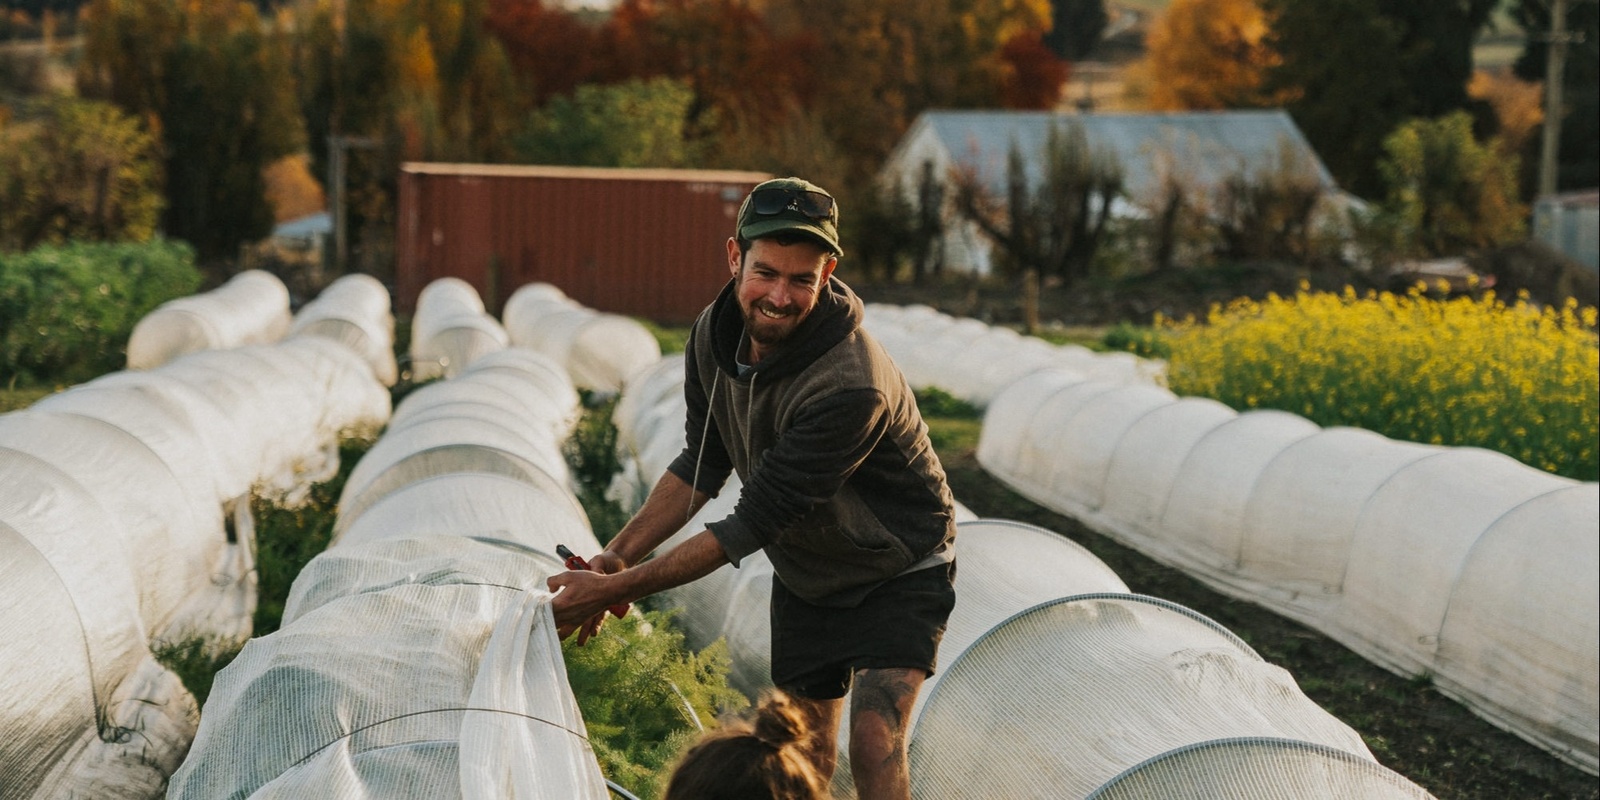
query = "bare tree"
{"x": 1055, "y": 227}
{"x": 1268, "y": 213}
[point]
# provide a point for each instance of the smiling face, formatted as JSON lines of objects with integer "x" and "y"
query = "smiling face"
{"x": 777, "y": 286}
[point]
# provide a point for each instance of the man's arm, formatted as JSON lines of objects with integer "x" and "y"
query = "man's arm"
{"x": 588, "y": 594}
{"x": 670, "y": 506}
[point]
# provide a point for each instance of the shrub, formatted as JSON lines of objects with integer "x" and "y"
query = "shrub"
{"x": 1448, "y": 193}
{"x": 1477, "y": 372}
{"x": 1139, "y": 340}
{"x": 66, "y": 311}
{"x": 79, "y": 170}
{"x": 288, "y": 538}
{"x": 934, "y": 402}
{"x": 592, "y": 454}
{"x": 644, "y": 696}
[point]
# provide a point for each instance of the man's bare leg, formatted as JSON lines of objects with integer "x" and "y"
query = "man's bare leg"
{"x": 880, "y": 712}
{"x": 822, "y": 718}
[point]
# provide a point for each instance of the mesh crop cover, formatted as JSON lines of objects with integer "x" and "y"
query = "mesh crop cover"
{"x": 451, "y": 690}
{"x": 124, "y": 527}
{"x": 417, "y": 656}
{"x": 974, "y": 361}
{"x": 450, "y": 330}
{"x": 85, "y": 710}
{"x": 354, "y": 311}
{"x": 1259, "y": 767}
{"x": 599, "y": 351}
{"x": 1454, "y": 562}
{"x": 1082, "y": 688}
{"x": 251, "y": 308}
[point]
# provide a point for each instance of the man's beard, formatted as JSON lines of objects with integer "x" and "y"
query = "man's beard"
{"x": 766, "y": 331}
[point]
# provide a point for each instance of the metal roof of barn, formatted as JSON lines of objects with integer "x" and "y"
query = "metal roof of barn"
{"x": 1208, "y": 145}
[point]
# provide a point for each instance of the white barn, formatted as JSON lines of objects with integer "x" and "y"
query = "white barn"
{"x": 1205, "y": 146}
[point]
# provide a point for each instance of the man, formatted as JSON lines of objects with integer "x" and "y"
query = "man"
{"x": 842, "y": 489}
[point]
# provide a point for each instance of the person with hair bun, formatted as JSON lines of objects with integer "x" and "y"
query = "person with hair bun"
{"x": 763, "y": 759}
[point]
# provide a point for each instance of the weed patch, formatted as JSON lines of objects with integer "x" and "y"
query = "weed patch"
{"x": 288, "y": 538}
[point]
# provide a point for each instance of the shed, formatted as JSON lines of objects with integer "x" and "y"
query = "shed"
{"x": 641, "y": 242}
{"x": 1208, "y": 146}
{"x": 1570, "y": 223}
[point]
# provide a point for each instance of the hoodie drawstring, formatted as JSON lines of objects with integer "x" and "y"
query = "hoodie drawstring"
{"x": 694, "y": 485}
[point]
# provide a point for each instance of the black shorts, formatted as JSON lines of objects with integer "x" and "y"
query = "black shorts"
{"x": 816, "y": 650}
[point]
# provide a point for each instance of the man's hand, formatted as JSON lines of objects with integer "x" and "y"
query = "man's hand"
{"x": 587, "y": 595}
{"x": 607, "y": 563}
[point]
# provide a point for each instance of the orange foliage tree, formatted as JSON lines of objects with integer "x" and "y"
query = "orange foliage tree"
{"x": 549, "y": 48}
{"x": 1206, "y": 54}
{"x": 1034, "y": 75}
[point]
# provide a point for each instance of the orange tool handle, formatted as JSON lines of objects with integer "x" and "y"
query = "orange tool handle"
{"x": 576, "y": 562}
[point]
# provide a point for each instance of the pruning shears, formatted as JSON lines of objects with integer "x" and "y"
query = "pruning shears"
{"x": 576, "y": 562}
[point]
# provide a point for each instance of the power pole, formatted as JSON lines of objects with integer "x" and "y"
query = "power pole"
{"x": 1555, "y": 67}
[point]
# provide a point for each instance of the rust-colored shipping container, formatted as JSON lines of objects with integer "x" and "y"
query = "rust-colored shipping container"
{"x": 642, "y": 242}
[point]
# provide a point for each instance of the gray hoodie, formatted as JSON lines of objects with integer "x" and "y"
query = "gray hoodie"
{"x": 842, "y": 488}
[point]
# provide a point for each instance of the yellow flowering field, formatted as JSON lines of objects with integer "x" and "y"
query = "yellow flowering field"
{"x": 1480, "y": 372}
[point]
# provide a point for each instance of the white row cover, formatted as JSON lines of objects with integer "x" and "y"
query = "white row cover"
{"x": 1038, "y": 620}
{"x": 124, "y": 521}
{"x": 1458, "y": 563}
{"x": 250, "y": 308}
{"x": 355, "y": 312}
{"x": 450, "y": 330}
{"x": 600, "y": 351}
{"x": 452, "y": 684}
{"x": 1099, "y": 689}
{"x": 974, "y": 361}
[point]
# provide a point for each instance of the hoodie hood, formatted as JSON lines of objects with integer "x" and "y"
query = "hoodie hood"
{"x": 837, "y": 315}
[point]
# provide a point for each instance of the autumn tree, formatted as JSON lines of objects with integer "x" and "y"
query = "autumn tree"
{"x": 549, "y": 48}
{"x": 1033, "y": 74}
{"x": 402, "y": 81}
{"x": 1355, "y": 69}
{"x": 77, "y": 170}
{"x": 1449, "y": 192}
{"x": 213, "y": 80}
{"x": 879, "y": 63}
{"x": 1207, "y": 54}
{"x": 1579, "y": 149}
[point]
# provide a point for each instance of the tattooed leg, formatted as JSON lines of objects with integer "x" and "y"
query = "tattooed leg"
{"x": 880, "y": 711}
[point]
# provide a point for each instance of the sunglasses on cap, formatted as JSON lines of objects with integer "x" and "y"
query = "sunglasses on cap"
{"x": 816, "y": 205}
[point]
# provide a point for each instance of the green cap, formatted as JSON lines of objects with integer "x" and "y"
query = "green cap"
{"x": 790, "y": 204}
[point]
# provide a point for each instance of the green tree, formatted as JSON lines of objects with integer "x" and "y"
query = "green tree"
{"x": 77, "y": 170}
{"x": 1075, "y": 27}
{"x": 214, "y": 81}
{"x": 1355, "y": 69}
{"x": 410, "y": 81}
{"x": 1579, "y": 153}
{"x": 1449, "y": 193}
{"x": 630, "y": 124}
